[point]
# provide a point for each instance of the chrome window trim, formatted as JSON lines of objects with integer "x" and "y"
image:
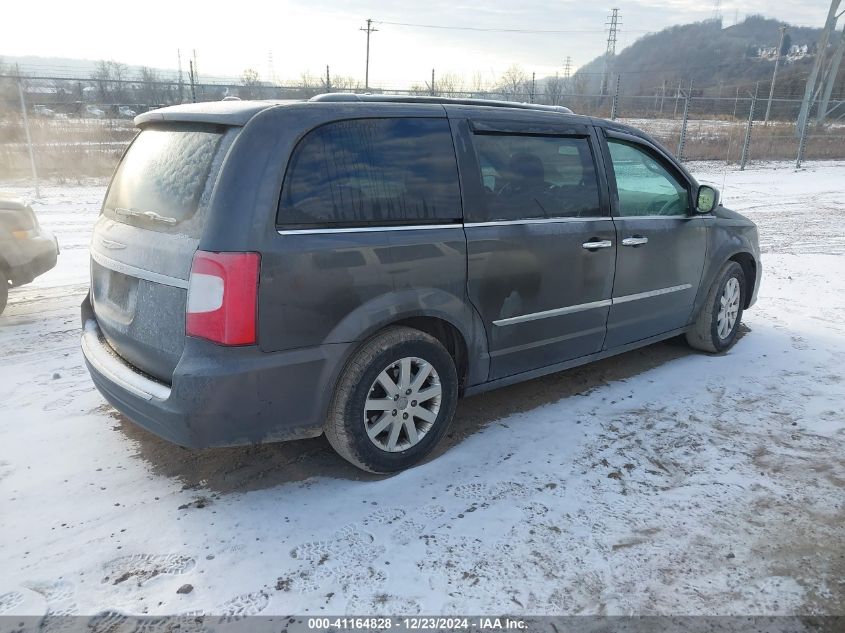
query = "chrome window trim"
{"x": 654, "y": 217}
{"x": 140, "y": 273}
{"x": 369, "y": 229}
{"x": 604, "y": 218}
{"x": 419, "y": 227}
{"x": 603, "y": 303}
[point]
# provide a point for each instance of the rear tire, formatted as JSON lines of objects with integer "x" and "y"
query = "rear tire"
{"x": 716, "y": 327}
{"x": 394, "y": 401}
{"x": 4, "y": 291}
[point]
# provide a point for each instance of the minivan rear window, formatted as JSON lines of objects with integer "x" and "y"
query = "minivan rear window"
{"x": 161, "y": 178}
{"x": 370, "y": 172}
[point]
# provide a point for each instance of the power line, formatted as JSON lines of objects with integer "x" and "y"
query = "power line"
{"x": 499, "y": 30}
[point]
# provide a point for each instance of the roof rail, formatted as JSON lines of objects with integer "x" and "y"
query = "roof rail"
{"x": 347, "y": 97}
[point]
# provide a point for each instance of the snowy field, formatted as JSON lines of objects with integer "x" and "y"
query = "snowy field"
{"x": 660, "y": 482}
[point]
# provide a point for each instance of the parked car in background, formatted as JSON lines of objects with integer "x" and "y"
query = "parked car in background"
{"x": 92, "y": 111}
{"x": 43, "y": 111}
{"x": 353, "y": 264}
{"x": 125, "y": 112}
{"x": 26, "y": 250}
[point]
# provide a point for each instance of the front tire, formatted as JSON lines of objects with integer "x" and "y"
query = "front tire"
{"x": 394, "y": 401}
{"x": 716, "y": 327}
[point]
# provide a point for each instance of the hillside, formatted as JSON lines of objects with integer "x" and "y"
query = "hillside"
{"x": 709, "y": 55}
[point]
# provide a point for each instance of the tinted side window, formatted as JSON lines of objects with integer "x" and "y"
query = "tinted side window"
{"x": 372, "y": 172}
{"x": 645, "y": 187}
{"x": 528, "y": 177}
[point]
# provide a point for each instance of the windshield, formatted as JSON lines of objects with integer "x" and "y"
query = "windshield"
{"x": 161, "y": 178}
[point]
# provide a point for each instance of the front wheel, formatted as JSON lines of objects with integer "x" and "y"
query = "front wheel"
{"x": 394, "y": 401}
{"x": 716, "y": 327}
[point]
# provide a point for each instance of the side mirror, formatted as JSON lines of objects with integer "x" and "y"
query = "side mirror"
{"x": 707, "y": 199}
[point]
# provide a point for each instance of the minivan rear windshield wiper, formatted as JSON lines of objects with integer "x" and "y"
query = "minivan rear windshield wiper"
{"x": 150, "y": 215}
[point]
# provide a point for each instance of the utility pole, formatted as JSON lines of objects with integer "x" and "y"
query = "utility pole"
{"x": 746, "y": 145}
{"x": 328, "y": 80}
{"x": 193, "y": 80}
{"x": 810, "y": 88}
{"x": 369, "y": 30}
{"x": 831, "y": 80}
{"x": 196, "y": 76}
{"x": 181, "y": 80}
{"x": 782, "y": 30}
{"x": 612, "y": 31}
{"x": 28, "y": 136}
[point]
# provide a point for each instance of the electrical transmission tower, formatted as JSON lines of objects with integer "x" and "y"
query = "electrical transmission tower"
{"x": 717, "y": 9}
{"x": 271, "y": 72}
{"x": 567, "y": 67}
{"x": 613, "y": 25}
{"x": 369, "y": 30}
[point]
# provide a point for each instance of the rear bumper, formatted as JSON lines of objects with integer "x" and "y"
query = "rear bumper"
{"x": 31, "y": 257}
{"x": 219, "y": 396}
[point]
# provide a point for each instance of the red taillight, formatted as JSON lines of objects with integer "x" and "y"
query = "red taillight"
{"x": 223, "y": 297}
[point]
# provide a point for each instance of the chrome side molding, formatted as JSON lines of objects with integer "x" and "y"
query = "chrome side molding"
{"x": 603, "y": 303}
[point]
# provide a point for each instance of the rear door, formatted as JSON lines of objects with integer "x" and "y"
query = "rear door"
{"x": 145, "y": 239}
{"x": 540, "y": 242}
{"x": 661, "y": 243}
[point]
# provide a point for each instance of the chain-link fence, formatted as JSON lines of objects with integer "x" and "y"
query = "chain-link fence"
{"x": 72, "y": 127}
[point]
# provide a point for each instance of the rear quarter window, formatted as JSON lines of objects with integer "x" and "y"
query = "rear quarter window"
{"x": 375, "y": 172}
{"x": 161, "y": 179}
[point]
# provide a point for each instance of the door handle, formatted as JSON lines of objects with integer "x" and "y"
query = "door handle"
{"x": 634, "y": 241}
{"x": 596, "y": 244}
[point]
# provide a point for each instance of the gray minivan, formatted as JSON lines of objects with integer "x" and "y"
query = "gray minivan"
{"x": 353, "y": 264}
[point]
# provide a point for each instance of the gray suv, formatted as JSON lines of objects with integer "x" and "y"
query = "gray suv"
{"x": 352, "y": 265}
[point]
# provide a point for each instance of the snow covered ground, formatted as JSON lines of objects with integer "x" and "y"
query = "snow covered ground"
{"x": 660, "y": 482}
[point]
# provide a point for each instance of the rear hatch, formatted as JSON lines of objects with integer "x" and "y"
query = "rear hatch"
{"x": 145, "y": 239}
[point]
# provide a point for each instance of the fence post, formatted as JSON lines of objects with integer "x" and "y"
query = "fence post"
{"x": 682, "y": 142}
{"x": 614, "y": 108}
{"x": 802, "y": 143}
{"x": 746, "y": 146}
{"x": 28, "y": 137}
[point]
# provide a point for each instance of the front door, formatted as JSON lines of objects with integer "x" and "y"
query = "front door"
{"x": 540, "y": 245}
{"x": 661, "y": 244}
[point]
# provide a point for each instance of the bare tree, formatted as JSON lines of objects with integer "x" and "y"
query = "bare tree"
{"x": 513, "y": 84}
{"x": 345, "y": 83}
{"x": 250, "y": 84}
{"x": 151, "y": 92}
{"x": 448, "y": 84}
{"x": 310, "y": 85}
{"x": 110, "y": 77}
{"x": 478, "y": 85}
{"x": 119, "y": 73}
{"x": 554, "y": 89}
{"x": 102, "y": 75}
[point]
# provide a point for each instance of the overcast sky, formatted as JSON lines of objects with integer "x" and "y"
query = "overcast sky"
{"x": 305, "y": 36}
